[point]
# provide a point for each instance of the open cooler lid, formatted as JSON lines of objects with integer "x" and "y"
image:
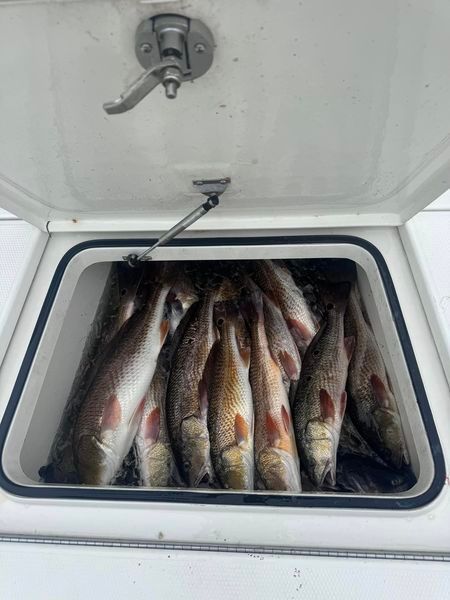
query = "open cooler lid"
{"x": 322, "y": 113}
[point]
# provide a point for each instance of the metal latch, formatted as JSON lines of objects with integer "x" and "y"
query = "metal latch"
{"x": 172, "y": 49}
{"x": 212, "y": 188}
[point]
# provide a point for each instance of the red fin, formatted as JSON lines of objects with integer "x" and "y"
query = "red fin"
{"x": 152, "y": 425}
{"x": 272, "y": 430}
{"x": 327, "y": 409}
{"x": 241, "y": 431}
{"x": 163, "y": 331}
{"x": 203, "y": 396}
{"x": 289, "y": 365}
{"x": 300, "y": 329}
{"x": 112, "y": 414}
{"x": 286, "y": 419}
{"x": 379, "y": 390}
{"x": 137, "y": 415}
{"x": 349, "y": 346}
{"x": 342, "y": 404}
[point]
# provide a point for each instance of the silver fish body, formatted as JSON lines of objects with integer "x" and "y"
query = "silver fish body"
{"x": 187, "y": 396}
{"x": 320, "y": 401}
{"x": 372, "y": 404}
{"x": 155, "y": 457}
{"x": 277, "y": 283}
{"x": 110, "y": 415}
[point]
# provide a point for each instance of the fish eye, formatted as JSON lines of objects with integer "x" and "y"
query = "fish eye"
{"x": 330, "y": 306}
{"x": 309, "y": 378}
{"x": 123, "y": 291}
{"x": 220, "y": 321}
{"x": 316, "y": 352}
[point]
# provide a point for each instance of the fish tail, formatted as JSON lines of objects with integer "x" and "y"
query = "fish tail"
{"x": 252, "y": 307}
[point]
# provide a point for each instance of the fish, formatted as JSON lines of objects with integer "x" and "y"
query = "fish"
{"x": 358, "y": 475}
{"x": 155, "y": 458}
{"x": 320, "y": 401}
{"x": 282, "y": 345}
{"x": 111, "y": 412}
{"x": 351, "y": 443}
{"x": 187, "y": 395}
{"x": 157, "y": 465}
{"x": 129, "y": 279}
{"x": 230, "y": 410}
{"x": 276, "y": 458}
{"x": 277, "y": 283}
{"x": 372, "y": 404}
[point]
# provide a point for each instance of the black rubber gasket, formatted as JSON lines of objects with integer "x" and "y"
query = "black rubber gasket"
{"x": 319, "y": 500}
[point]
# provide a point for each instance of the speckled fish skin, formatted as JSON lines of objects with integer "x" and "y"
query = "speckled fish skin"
{"x": 155, "y": 457}
{"x": 277, "y": 283}
{"x": 320, "y": 401}
{"x": 281, "y": 344}
{"x": 187, "y": 403}
{"x": 351, "y": 443}
{"x": 111, "y": 412}
{"x": 230, "y": 411}
{"x": 371, "y": 402}
{"x": 276, "y": 456}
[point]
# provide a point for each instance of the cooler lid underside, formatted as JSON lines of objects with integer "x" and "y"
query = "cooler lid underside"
{"x": 324, "y": 112}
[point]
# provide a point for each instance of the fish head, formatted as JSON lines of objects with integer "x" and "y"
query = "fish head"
{"x": 279, "y": 470}
{"x": 320, "y": 443}
{"x": 196, "y": 462}
{"x": 96, "y": 462}
{"x": 390, "y": 433}
{"x": 236, "y": 468}
{"x": 160, "y": 457}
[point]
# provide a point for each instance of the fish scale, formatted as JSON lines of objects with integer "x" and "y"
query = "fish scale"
{"x": 371, "y": 401}
{"x": 109, "y": 416}
{"x": 276, "y": 455}
{"x": 186, "y": 396}
{"x": 277, "y": 283}
{"x": 320, "y": 399}
{"x": 230, "y": 412}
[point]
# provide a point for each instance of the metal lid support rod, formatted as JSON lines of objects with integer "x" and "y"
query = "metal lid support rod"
{"x": 211, "y": 188}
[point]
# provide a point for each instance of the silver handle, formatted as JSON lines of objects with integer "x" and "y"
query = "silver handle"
{"x": 166, "y": 73}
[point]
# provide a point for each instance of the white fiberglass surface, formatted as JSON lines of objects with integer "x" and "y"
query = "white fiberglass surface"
{"x": 50, "y": 378}
{"x": 331, "y": 108}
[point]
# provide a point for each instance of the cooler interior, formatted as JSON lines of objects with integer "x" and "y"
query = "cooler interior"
{"x": 76, "y": 297}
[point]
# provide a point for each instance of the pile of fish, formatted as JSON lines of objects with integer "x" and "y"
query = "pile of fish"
{"x": 258, "y": 375}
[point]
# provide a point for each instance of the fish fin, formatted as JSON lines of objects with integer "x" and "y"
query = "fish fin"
{"x": 152, "y": 425}
{"x": 300, "y": 330}
{"x": 241, "y": 430}
{"x": 112, "y": 414}
{"x": 289, "y": 365}
{"x": 203, "y": 396}
{"x": 379, "y": 390}
{"x": 272, "y": 430}
{"x": 163, "y": 331}
{"x": 286, "y": 419}
{"x": 245, "y": 355}
{"x": 137, "y": 414}
{"x": 327, "y": 409}
{"x": 342, "y": 404}
{"x": 349, "y": 346}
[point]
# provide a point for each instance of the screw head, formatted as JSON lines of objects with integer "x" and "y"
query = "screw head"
{"x": 146, "y": 48}
{"x": 199, "y": 48}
